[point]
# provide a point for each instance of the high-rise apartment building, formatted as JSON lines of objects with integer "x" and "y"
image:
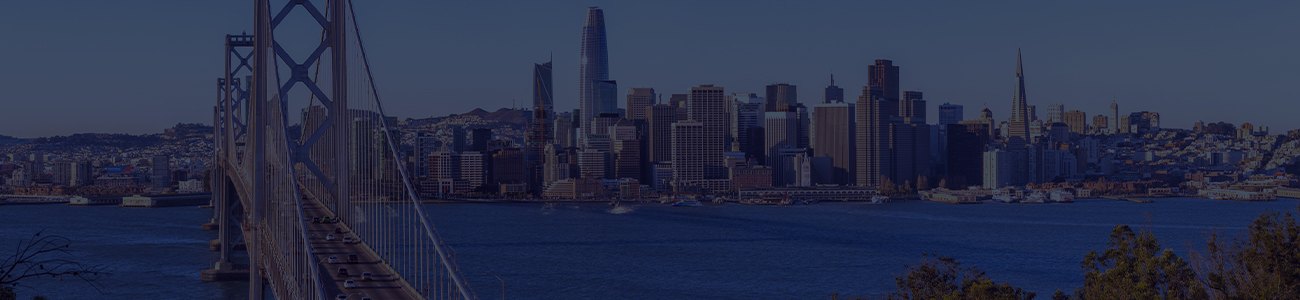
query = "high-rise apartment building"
{"x": 593, "y": 79}
{"x": 833, "y": 134}
{"x": 1102, "y": 123}
{"x": 474, "y": 168}
{"x": 1077, "y": 121}
{"x": 884, "y": 75}
{"x": 708, "y": 105}
{"x": 833, "y": 94}
{"x": 1055, "y": 113}
{"x": 688, "y": 155}
{"x": 637, "y": 100}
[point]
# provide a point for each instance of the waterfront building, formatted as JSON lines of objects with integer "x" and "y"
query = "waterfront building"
{"x": 592, "y": 163}
{"x": 444, "y": 165}
{"x": 999, "y": 168}
{"x": 708, "y": 105}
{"x": 688, "y": 154}
{"x": 792, "y": 167}
{"x": 751, "y": 177}
{"x": 474, "y": 168}
{"x": 593, "y": 80}
{"x": 160, "y": 172}
{"x": 780, "y": 132}
{"x": 507, "y": 166}
{"x": 660, "y": 118}
{"x": 966, "y": 144}
{"x": 833, "y": 131}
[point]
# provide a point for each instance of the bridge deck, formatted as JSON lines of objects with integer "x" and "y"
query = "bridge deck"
{"x": 386, "y": 284}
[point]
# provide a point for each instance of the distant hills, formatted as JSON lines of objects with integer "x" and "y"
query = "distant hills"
{"x": 504, "y": 115}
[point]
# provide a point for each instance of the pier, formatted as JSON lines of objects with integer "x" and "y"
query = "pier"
{"x": 1129, "y": 199}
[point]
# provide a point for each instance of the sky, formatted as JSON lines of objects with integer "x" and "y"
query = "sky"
{"x": 138, "y": 66}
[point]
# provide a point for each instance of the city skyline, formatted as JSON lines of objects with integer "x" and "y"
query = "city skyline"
{"x": 1072, "y": 66}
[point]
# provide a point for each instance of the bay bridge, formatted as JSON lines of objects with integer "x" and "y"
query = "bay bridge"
{"x": 301, "y": 135}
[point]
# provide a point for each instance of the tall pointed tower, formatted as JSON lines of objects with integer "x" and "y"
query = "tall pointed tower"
{"x": 1019, "y": 120}
{"x": 595, "y": 90}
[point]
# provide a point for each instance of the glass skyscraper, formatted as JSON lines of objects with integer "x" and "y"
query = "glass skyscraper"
{"x": 597, "y": 94}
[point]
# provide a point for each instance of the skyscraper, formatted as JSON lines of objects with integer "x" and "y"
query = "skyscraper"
{"x": 1114, "y": 118}
{"x": 833, "y": 133}
{"x": 708, "y": 105}
{"x": 1019, "y": 121}
{"x": 160, "y": 171}
{"x": 780, "y": 132}
{"x": 833, "y": 94}
{"x": 637, "y": 100}
{"x": 661, "y": 118}
{"x": 780, "y": 94}
{"x": 594, "y": 72}
{"x": 950, "y": 114}
{"x": 542, "y": 130}
{"x": 912, "y": 108}
{"x": 874, "y": 113}
{"x": 688, "y": 143}
{"x": 884, "y": 75}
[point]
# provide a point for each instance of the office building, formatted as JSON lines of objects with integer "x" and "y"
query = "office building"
{"x": 593, "y": 163}
{"x": 1101, "y": 122}
{"x": 541, "y": 131}
{"x": 661, "y": 118}
{"x": 594, "y": 87}
{"x": 1115, "y": 127}
{"x": 481, "y": 137}
{"x": 745, "y": 115}
{"x": 912, "y": 108}
{"x": 1018, "y": 124}
{"x": 779, "y": 95}
{"x": 884, "y": 75}
{"x": 507, "y": 166}
{"x": 780, "y": 132}
{"x": 791, "y": 167}
{"x": 966, "y": 144}
{"x": 708, "y": 105}
{"x": 950, "y": 114}
{"x": 443, "y": 165}
{"x": 627, "y": 159}
{"x": 833, "y": 94}
{"x": 458, "y": 139}
{"x": 688, "y": 154}
{"x": 637, "y": 100}
{"x": 874, "y": 114}
{"x": 833, "y": 131}
{"x": 160, "y": 172}
{"x": 474, "y": 168}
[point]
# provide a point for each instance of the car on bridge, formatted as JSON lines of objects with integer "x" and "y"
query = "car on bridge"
{"x": 365, "y": 276}
{"x": 329, "y": 237}
{"x": 334, "y": 259}
{"x": 349, "y": 284}
{"x": 338, "y": 230}
{"x": 343, "y": 272}
{"x": 352, "y": 258}
{"x": 347, "y": 240}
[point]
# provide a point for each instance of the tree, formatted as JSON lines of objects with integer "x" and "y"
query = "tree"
{"x": 1135, "y": 267}
{"x": 1263, "y": 265}
{"x": 939, "y": 277}
{"x": 40, "y": 256}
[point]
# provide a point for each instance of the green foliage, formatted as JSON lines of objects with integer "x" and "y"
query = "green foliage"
{"x": 1263, "y": 264}
{"x": 7, "y": 293}
{"x": 1135, "y": 267}
{"x": 939, "y": 277}
{"x": 1223, "y": 128}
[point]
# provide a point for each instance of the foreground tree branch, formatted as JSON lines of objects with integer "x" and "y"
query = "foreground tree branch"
{"x": 42, "y": 255}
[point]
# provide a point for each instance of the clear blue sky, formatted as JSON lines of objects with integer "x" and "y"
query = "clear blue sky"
{"x": 137, "y": 66}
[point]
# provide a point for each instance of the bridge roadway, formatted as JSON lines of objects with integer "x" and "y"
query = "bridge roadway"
{"x": 385, "y": 285}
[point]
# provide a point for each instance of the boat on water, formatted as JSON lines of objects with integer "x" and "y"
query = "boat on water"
{"x": 1035, "y": 198}
{"x": 688, "y": 203}
{"x": 877, "y": 199}
{"x": 1062, "y": 197}
{"x": 1005, "y": 199}
{"x": 1219, "y": 197}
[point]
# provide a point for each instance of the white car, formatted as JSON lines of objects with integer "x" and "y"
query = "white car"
{"x": 347, "y": 240}
{"x": 329, "y": 237}
{"x": 349, "y": 284}
{"x": 334, "y": 259}
{"x": 341, "y": 297}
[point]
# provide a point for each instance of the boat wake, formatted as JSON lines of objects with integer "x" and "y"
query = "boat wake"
{"x": 618, "y": 210}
